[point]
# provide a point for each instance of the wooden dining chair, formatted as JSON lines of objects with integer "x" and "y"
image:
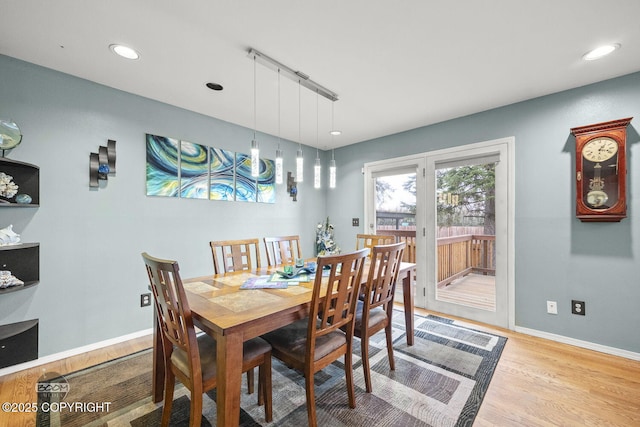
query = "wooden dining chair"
{"x": 311, "y": 344}
{"x": 192, "y": 358}
{"x": 282, "y": 250}
{"x": 235, "y": 255}
{"x": 374, "y": 313}
{"x": 371, "y": 240}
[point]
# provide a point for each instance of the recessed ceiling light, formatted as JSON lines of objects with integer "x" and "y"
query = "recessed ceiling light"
{"x": 336, "y": 132}
{"x": 601, "y": 51}
{"x": 214, "y": 86}
{"x": 124, "y": 51}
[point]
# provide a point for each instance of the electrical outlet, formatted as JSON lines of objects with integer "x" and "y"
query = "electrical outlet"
{"x": 145, "y": 300}
{"x": 355, "y": 222}
{"x": 552, "y": 307}
{"x": 578, "y": 307}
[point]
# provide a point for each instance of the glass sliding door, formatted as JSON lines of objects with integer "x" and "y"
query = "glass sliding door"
{"x": 465, "y": 221}
{"x": 462, "y": 220}
{"x": 469, "y": 233}
{"x": 394, "y": 192}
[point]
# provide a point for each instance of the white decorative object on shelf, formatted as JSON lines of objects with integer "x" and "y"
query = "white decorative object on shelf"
{"x": 8, "y": 236}
{"x": 8, "y": 188}
{"x": 8, "y": 280}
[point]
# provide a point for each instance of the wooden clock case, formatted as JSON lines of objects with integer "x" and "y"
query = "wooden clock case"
{"x": 614, "y": 172}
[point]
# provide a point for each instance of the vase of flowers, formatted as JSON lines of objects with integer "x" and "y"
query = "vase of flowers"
{"x": 325, "y": 243}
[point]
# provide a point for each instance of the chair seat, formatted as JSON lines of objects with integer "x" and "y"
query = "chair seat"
{"x": 376, "y": 316}
{"x": 207, "y": 348}
{"x": 292, "y": 340}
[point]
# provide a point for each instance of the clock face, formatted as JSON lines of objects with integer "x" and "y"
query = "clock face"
{"x": 600, "y": 149}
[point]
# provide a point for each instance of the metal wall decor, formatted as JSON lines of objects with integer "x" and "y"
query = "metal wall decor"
{"x": 102, "y": 164}
{"x": 292, "y": 187}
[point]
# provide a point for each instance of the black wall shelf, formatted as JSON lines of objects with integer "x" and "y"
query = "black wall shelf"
{"x": 23, "y": 260}
{"x": 27, "y": 178}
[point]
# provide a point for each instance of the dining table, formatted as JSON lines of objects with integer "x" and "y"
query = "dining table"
{"x": 232, "y": 315}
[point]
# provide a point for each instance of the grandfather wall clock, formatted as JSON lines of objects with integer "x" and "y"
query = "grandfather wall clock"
{"x": 601, "y": 171}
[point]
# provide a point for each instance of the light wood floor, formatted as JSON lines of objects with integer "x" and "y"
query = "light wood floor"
{"x": 537, "y": 383}
{"x": 472, "y": 290}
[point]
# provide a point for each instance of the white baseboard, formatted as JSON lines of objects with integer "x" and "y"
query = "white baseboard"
{"x": 579, "y": 343}
{"x": 73, "y": 352}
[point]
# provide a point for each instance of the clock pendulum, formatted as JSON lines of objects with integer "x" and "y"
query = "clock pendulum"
{"x": 597, "y": 197}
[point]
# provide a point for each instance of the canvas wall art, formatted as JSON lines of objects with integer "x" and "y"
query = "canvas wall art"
{"x": 162, "y": 166}
{"x": 194, "y": 171}
{"x": 266, "y": 184}
{"x": 222, "y": 174}
{"x": 189, "y": 170}
{"x": 246, "y": 190}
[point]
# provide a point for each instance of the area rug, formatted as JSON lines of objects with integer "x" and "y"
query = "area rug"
{"x": 439, "y": 381}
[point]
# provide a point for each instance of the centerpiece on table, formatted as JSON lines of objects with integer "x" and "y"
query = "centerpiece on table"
{"x": 325, "y": 243}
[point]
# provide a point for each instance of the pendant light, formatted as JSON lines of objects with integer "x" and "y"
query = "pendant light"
{"x": 332, "y": 171}
{"x": 299, "y": 158}
{"x": 255, "y": 151}
{"x": 332, "y": 163}
{"x": 303, "y": 80}
{"x": 317, "y": 167}
{"x": 317, "y": 171}
{"x": 279, "y": 178}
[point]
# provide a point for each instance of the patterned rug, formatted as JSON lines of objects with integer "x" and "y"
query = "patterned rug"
{"x": 439, "y": 381}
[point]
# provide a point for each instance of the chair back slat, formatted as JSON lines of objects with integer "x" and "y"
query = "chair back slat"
{"x": 383, "y": 274}
{"x": 334, "y": 303}
{"x": 235, "y": 255}
{"x": 282, "y": 250}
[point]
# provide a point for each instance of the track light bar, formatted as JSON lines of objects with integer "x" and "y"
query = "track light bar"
{"x": 296, "y": 76}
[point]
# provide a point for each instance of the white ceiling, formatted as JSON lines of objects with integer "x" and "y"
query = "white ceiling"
{"x": 395, "y": 65}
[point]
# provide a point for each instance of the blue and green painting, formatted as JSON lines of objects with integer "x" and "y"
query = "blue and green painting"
{"x": 162, "y": 166}
{"x": 222, "y": 177}
{"x": 194, "y": 171}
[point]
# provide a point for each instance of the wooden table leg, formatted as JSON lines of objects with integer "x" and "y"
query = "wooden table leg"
{"x": 229, "y": 358}
{"x": 407, "y": 293}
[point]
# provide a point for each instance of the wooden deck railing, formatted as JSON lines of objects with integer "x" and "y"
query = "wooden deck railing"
{"x": 407, "y": 236}
{"x": 461, "y": 255}
{"x": 457, "y": 256}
